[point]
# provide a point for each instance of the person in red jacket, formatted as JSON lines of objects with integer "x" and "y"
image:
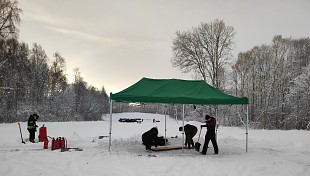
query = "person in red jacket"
{"x": 210, "y": 135}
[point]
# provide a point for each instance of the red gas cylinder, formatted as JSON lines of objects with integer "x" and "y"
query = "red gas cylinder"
{"x": 42, "y": 133}
{"x": 45, "y": 143}
{"x": 53, "y": 144}
{"x": 58, "y": 143}
{"x": 62, "y": 143}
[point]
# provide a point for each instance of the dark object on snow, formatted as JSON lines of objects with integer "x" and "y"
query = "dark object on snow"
{"x": 138, "y": 120}
{"x": 197, "y": 146}
{"x": 101, "y": 137}
{"x": 161, "y": 141}
{"x": 21, "y": 135}
{"x": 68, "y": 149}
{"x": 149, "y": 138}
{"x": 210, "y": 135}
{"x": 154, "y": 121}
{"x": 190, "y": 132}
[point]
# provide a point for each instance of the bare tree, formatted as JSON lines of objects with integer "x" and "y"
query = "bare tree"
{"x": 204, "y": 50}
{"x": 9, "y": 18}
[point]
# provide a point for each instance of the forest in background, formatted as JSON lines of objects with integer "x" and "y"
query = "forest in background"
{"x": 31, "y": 82}
{"x": 275, "y": 77}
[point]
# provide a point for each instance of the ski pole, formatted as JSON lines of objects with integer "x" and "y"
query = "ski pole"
{"x": 21, "y": 135}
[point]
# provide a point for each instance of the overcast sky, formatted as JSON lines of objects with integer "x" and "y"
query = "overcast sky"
{"x": 117, "y": 42}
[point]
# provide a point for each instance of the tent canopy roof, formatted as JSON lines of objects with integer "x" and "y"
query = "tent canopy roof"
{"x": 175, "y": 91}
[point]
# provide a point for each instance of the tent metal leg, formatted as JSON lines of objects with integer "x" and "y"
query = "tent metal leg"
{"x": 216, "y": 125}
{"x": 110, "y": 131}
{"x": 247, "y": 132}
{"x": 183, "y": 129}
{"x": 165, "y": 123}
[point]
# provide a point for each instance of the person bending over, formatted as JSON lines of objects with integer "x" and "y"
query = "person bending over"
{"x": 149, "y": 138}
{"x": 190, "y": 132}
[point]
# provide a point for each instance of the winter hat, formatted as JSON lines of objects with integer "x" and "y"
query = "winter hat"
{"x": 207, "y": 117}
{"x": 36, "y": 116}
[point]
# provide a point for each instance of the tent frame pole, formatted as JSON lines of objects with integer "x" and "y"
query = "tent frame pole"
{"x": 216, "y": 117}
{"x": 247, "y": 131}
{"x": 183, "y": 128}
{"x": 110, "y": 130}
{"x": 165, "y": 123}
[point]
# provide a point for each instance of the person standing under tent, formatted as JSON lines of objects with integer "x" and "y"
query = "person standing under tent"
{"x": 210, "y": 135}
{"x": 32, "y": 126}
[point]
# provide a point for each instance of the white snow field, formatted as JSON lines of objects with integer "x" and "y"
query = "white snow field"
{"x": 271, "y": 152}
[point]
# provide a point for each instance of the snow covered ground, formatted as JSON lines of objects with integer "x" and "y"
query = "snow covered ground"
{"x": 271, "y": 152}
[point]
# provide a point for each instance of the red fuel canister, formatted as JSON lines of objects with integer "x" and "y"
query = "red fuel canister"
{"x": 45, "y": 143}
{"x": 62, "y": 143}
{"x": 56, "y": 143}
{"x": 42, "y": 133}
{"x": 53, "y": 144}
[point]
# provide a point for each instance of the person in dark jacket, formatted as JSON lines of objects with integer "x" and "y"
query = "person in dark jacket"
{"x": 32, "y": 126}
{"x": 210, "y": 135}
{"x": 190, "y": 132}
{"x": 149, "y": 138}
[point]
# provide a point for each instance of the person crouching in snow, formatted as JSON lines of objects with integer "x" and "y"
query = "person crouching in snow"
{"x": 149, "y": 138}
{"x": 190, "y": 132}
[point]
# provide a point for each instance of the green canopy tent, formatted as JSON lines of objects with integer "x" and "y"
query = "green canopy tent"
{"x": 175, "y": 91}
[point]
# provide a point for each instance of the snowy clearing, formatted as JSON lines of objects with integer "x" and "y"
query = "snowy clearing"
{"x": 271, "y": 152}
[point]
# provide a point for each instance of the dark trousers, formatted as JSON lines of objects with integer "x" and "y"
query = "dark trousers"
{"x": 148, "y": 146}
{"x": 32, "y": 135}
{"x": 214, "y": 143}
{"x": 189, "y": 135}
{"x": 189, "y": 141}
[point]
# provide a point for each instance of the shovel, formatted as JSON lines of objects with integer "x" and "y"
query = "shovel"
{"x": 197, "y": 144}
{"x": 21, "y": 135}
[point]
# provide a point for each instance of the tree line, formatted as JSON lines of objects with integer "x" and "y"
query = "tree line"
{"x": 29, "y": 83}
{"x": 275, "y": 77}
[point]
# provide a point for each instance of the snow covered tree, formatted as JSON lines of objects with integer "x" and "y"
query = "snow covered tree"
{"x": 38, "y": 77}
{"x": 266, "y": 74}
{"x": 13, "y": 77}
{"x": 9, "y": 18}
